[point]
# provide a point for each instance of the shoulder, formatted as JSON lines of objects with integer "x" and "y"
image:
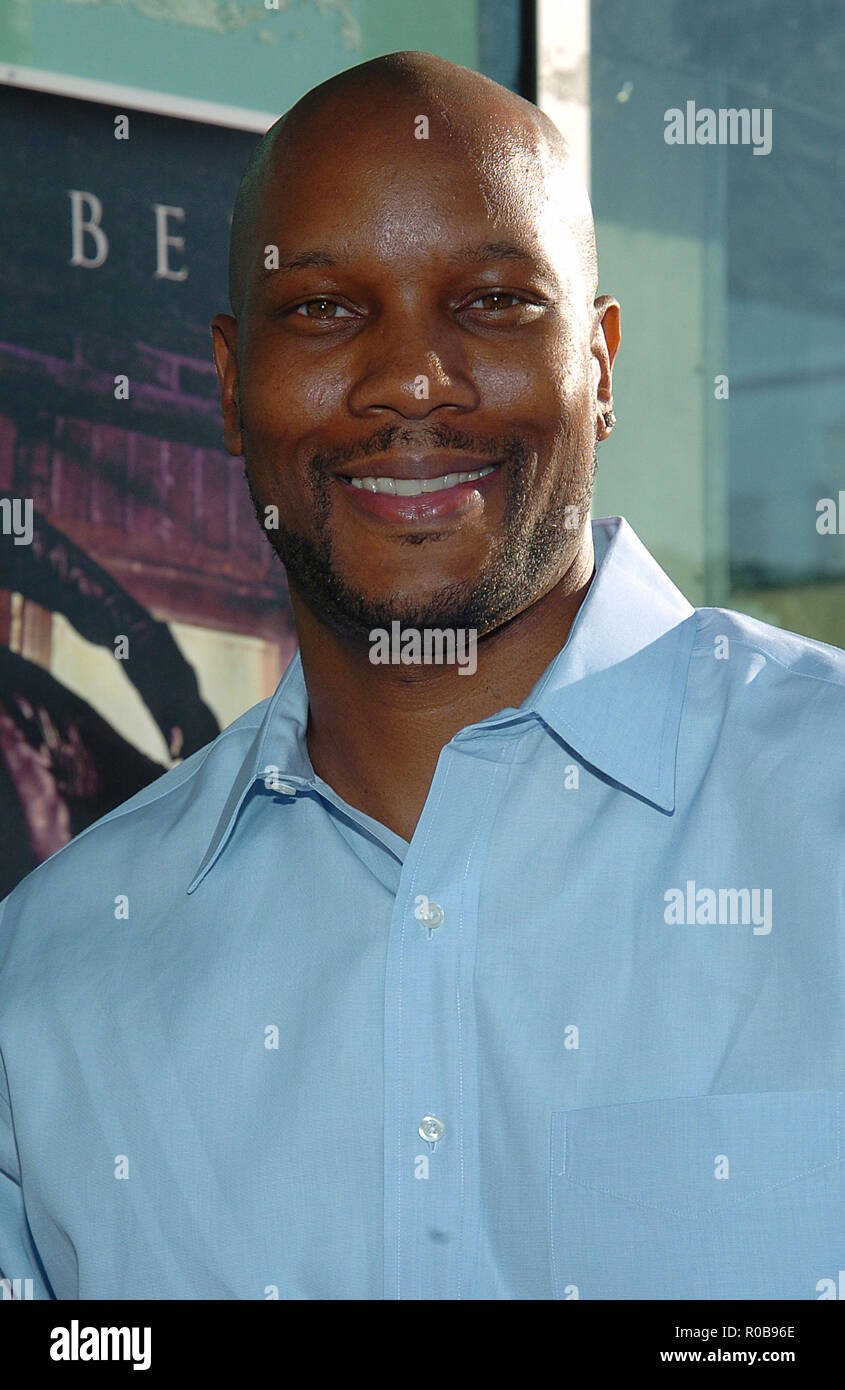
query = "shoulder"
{"x": 178, "y": 810}
{"x": 798, "y": 659}
{"x": 763, "y": 683}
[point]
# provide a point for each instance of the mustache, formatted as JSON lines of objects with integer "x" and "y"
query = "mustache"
{"x": 427, "y": 439}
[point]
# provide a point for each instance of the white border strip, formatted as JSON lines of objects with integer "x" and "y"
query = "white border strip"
{"x": 563, "y": 73}
{"x": 136, "y": 98}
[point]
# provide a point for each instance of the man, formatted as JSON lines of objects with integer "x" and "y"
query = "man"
{"x": 424, "y": 981}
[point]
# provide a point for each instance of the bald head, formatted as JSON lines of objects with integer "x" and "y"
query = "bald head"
{"x": 413, "y": 278}
{"x": 497, "y": 130}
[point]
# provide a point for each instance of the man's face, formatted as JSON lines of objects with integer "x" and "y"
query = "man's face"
{"x": 451, "y": 334}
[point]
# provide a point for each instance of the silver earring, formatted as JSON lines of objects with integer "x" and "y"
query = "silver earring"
{"x": 609, "y": 420}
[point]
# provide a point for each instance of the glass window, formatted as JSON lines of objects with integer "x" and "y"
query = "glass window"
{"x": 717, "y": 164}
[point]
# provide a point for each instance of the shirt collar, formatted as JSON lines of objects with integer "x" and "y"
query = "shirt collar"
{"x": 614, "y": 693}
{"x": 278, "y": 754}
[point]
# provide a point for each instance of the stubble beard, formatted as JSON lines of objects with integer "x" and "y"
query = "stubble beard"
{"x": 532, "y": 556}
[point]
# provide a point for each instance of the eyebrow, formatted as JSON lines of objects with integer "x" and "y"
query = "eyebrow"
{"x": 498, "y": 251}
{"x": 467, "y": 255}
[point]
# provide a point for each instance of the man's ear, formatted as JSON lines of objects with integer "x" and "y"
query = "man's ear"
{"x": 224, "y": 337}
{"x": 607, "y": 336}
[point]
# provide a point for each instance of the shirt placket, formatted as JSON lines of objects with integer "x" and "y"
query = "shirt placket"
{"x": 432, "y": 1177}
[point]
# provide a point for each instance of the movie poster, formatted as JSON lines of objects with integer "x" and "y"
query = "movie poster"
{"x": 141, "y": 609}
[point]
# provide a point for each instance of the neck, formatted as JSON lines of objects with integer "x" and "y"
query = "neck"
{"x": 375, "y": 732}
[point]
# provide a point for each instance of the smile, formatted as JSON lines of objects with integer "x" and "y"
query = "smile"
{"x": 420, "y": 500}
{"x": 414, "y": 487}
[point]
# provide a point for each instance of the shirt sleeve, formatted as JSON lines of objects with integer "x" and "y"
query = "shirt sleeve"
{"x": 21, "y": 1276}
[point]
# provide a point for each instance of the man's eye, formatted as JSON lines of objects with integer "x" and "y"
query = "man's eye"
{"x": 494, "y": 300}
{"x": 323, "y": 309}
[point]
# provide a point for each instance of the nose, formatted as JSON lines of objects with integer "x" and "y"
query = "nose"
{"x": 412, "y": 363}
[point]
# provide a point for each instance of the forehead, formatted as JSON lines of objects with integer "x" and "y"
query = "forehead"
{"x": 370, "y": 190}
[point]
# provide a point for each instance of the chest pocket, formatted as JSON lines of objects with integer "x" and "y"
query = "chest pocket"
{"x": 704, "y": 1197}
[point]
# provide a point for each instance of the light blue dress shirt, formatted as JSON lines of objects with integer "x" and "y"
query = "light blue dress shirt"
{"x": 583, "y": 1037}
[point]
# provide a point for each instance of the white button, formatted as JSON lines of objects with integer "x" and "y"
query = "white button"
{"x": 431, "y": 1129}
{"x": 428, "y": 913}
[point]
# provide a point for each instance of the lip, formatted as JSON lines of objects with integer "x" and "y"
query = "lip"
{"x": 423, "y": 466}
{"x": 428, "y": 506}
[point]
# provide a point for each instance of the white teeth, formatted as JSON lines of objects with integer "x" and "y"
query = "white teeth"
{"x": 414, "y": 487}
